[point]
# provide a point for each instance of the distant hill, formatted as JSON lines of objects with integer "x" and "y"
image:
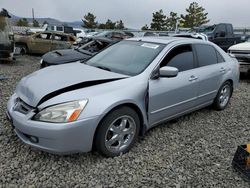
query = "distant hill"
{"x": 51, "y": 21}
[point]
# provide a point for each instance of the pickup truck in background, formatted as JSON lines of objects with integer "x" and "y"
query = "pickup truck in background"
{"x": 221, "y": 34}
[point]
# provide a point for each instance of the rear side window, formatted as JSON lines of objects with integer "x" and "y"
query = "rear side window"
{"x": 206, "y": 55}
{"x": 219, "y": 57}
{"x": 180, "y": 57}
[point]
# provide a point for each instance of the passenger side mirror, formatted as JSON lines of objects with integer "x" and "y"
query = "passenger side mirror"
{"x": 168, "y": 72}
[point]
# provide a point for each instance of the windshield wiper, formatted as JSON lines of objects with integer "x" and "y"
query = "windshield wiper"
{"x": 103, "y": 68}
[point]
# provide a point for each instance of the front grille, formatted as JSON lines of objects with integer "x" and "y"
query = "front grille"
{"x": 22, "y": 107}
{"x": 242, "y": 56}
{"x": 243, "y": 52}
{"x": 4, "y": 54}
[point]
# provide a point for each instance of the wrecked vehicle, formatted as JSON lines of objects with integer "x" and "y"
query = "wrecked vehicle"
{"x": 241, "y": 52}
{"x": 6, "y": 37}
{"x": 120, "y": 93}
{"x": 81, "y": 53}
{"x": 113, "y": 35}
{"x": 43, "y": 42}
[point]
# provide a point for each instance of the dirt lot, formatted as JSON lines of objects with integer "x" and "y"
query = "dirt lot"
{"x": 194, "y": 151}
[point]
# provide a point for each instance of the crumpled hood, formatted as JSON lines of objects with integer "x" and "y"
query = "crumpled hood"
{"x": 52, "y": 81}
{"x": 241, "y": 46}
{"x": 64, "y": 56}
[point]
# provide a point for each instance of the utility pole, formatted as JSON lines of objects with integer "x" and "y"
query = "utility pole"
{"x": 33, "y": 15}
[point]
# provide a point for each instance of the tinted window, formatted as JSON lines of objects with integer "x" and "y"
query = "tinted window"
{"x": 59, "y": 28}
{"x": 180, "y": 57}
{"x": 219, "y": 57}
{"x": 229, "y": 29}
{"x": 206, "y": 55}
{"x": 221, "y": 30}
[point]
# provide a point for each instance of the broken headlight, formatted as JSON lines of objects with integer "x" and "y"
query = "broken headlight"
{"x": 62, "y": 113}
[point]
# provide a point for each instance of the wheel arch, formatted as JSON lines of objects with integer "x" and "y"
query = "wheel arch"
{"x": 131, "y": 105}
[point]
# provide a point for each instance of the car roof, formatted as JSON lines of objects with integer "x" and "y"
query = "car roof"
{"x": 166, "y": 40}
{"x": 55, "y": 32}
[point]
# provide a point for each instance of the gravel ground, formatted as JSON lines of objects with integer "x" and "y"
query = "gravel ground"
{"x": 193, "y": 151}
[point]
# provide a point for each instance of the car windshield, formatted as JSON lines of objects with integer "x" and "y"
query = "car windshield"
{"x": 93, "y": 46}
{"x": 126, "y": 57}
{"x": 204, "y": 29}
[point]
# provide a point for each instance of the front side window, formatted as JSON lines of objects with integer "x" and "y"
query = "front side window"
{"x": 59, "y": 28}
{"x": 60, "y": 37}
{"x": 127, "y": 57}
{"x": 180, "y": 57}
{"x": 206, "y": 55}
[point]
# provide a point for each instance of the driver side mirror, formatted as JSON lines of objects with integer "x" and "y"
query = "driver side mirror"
{"x": 220, "y": 34}
{"x": 168, "y": 72}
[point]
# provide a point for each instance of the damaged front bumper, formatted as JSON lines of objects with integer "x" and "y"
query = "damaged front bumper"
{"x": 58, "y": 138}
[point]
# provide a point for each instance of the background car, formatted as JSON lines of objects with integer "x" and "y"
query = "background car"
{"x": 242, "y": 53}
{"x": 113, "y": 35}
{"x": 43, "y": 42}
{"x": 81, "y": 53}
{"x": 120, "y": 93}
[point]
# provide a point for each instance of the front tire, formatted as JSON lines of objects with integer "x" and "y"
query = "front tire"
{"x": 223, "y": 96}
{"x": 117, "y": 132}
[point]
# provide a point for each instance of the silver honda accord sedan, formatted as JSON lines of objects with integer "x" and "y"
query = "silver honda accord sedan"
{"x": 106, "y": 102}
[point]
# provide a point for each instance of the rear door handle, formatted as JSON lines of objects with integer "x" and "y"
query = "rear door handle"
{"x": 222, "y": 69}
{"x": 192, "y": 78}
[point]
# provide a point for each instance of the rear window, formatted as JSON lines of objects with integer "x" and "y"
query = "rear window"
{"x": 219, "y": 57}
{"x": 206, "y": 55}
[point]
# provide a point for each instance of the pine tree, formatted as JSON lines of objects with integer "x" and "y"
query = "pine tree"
{"x": 145, "y": 28}
{"x": 171, "y": 21}
{"x": 109, "y": 24}
{"x": 89, "y": 21}
{"x": 195, "y": 16}
{"x": 22, "y": 22}
{"x": 158, "y": 21}
{"x": 36, "y": 23}
{"x": 119, "y": 25}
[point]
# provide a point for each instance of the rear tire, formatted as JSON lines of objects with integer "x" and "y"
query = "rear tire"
{"x": 117, "y": 132}
{"x": 223, "y": 96}
{"x": 23, "y": 49}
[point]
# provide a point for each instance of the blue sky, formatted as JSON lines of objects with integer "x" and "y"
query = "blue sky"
{"x": 134, "y": 13}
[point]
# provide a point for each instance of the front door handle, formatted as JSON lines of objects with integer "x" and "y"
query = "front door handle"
{"x": 192, "y": 78}
{"x": 222, "y": 69}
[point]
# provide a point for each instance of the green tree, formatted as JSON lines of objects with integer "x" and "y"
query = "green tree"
{"x": 102, "y": 26}
{"x": 158, "y": 21}
{"x": 171, "y": 21}
{"x": 145, "y": 28}
{"x": 119, "y": 25}
{"x": 195, "y": 17}
{"x": 89, "y": 21}
{"x": 36, "y": 23}
{"x": 109, "y": 24}
{"x": 22, "y": 22}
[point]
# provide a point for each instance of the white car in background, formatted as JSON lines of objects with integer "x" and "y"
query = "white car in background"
{"x": 80, "y": 33}
{"x": 241, "y": 52}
